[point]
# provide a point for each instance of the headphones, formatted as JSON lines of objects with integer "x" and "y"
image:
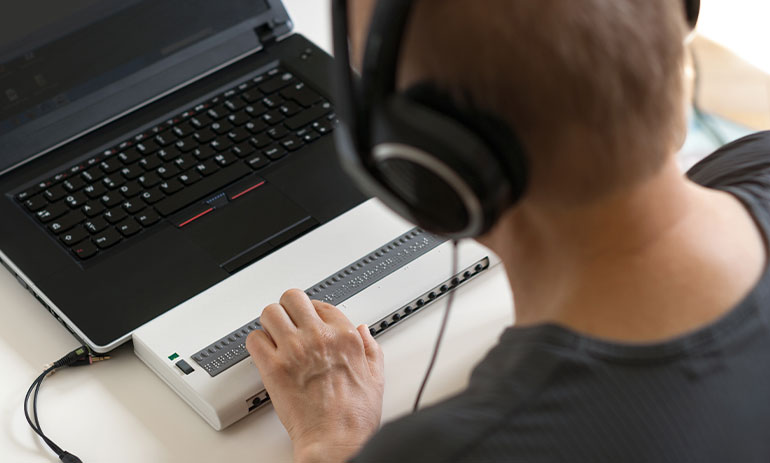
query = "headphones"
{"x": 453, "y": 171}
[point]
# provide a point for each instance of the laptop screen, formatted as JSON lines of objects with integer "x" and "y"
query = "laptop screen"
{"x": 58, "y": 58}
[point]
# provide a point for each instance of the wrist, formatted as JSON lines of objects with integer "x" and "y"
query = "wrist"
{"x": 325, "y": 452}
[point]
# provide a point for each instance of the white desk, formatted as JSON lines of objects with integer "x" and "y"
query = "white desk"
{"x": 119, "y": 411}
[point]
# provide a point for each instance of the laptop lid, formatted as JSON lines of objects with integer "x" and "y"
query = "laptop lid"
{"x": 67, "y": 68}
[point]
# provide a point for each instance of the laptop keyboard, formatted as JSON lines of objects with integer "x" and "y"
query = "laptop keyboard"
{"x": 113, "y": 196}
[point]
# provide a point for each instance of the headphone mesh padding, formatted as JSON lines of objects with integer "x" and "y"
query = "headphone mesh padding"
{"x": 419, "y": 187}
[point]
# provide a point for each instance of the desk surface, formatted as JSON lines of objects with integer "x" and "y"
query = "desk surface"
{"x": 119, "y": 411}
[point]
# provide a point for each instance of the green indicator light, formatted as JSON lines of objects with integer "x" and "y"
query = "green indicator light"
{"x": 173, "y": 356}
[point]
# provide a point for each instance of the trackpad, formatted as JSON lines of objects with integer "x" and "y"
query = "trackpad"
{"x": 244, "y": 223}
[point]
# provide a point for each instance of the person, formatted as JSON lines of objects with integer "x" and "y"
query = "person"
{"x": 642, "y": 296}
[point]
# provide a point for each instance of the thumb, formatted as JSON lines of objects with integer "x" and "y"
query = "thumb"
{"x": 373, "y": 352}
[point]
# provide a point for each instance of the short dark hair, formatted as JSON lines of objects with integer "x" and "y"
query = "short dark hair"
{"x": 594, "y": 88}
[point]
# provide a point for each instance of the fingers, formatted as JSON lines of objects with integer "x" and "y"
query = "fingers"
{"x": 299, "y": 308}
{"x": 260, "y": 347}
{"x": 330, "y": 314}
{"x": 277, "y": 323}
{"x": 374, "y": 354}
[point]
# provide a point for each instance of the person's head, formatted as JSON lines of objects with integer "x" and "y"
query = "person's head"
{"x": 593, "y": 88}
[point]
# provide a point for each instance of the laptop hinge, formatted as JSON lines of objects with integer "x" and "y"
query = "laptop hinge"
{"x": 272, "y": 31}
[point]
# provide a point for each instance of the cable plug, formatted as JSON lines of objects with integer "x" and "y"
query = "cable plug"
{"x": 67, "y": 457}
{"x": 78, "y": 357}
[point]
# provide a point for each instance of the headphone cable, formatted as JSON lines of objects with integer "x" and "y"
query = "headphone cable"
{"x": 442, "y": 329}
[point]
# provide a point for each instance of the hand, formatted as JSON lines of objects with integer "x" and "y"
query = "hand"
{"x": 324, "y": 376}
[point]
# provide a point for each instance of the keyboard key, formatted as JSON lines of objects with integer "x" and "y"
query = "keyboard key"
{"x": 234, "y": 104}
{"x": 275, "y": 152}
{"x": 290, "y": 108}
{"x": 218, "y": 112}
{"x": 129, "y": 156}
{"x": 93, "y": 208}
{"x": 186, "y": 144}
{"x": 225, "y": 159}
{"x": 150, "y": 179}
{"x": 115, "y": 215}
{"x": 251, "y": 96}
{"x": 110, "y": 165}
{"x": 55, "y": 193}
{"x": 74, "y": 184}
{"x": 221, "y": 128}
{"x": 111, "y": 199}
{"x": 206, "y": 186}
{"x": 131, "y": 189}
{"x": 147, "y": 218}
{"x": 52, "y": 211}
{"x": 92, "y": 175}
{"x": 95, "y": 225}
{"x": 256, "y": 126}
{"x": 167, "y": 154}
{"x": 238, "y": 135}
{"x": 171, "y": 186}
{"x": 273, "y": 101}
{"x": 301, "y": 94}
{"x": 94, "y": 191}
{"x": 273, "y": 117}
{"x": 35, "y": 203}
{"x": 147, "y": 146}
{"x": 65, "y": 222}
{"x": 276, "y": 83}
{"x": 256, "y": 110}
{"x": 306, "y": 117}
{"x": 185, "y": 129}
{"x": 132, "y": 172}
{"x": 113, "y": 181}
{"x": 74, "y": 236}
{"x": 257, "y": 162}
{"x": 85, "y": 250}
{"x": 27, "y": 194}
{"x": 200, "y": 121}
{"x": 151, "y": 162}
{"x": 239, "y": 118}
{"x": 76, "y": 200}
{"x": 205, "y": 136}
{"x": 107, "y": 239}
{"x": 133, "y": 206}
{"x": 278, "y": 132}
{"x": 166, "y": 138}
{"x": 167, "y": 171}
{"x": 323, "y": 126}
{"x": 221, "y": 144}
{"x": 152, "y": 196}
{"x": 185, "y": 161}
{"x": 188, "y": 178}
{"x": 207, "y": 168}
{"x": 242, "y": 150}
{"x": 261, "y": 141}
{"x": 292, "y": 143}
{"x": 128, "y": 228}
{"x": 204, "y": 152}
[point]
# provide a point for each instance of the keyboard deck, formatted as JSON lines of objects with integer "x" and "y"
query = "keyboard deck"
{"x": 150, "y": 176}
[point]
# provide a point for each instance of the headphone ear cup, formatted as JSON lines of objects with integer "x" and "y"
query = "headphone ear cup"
{"x": 442, "y": 171}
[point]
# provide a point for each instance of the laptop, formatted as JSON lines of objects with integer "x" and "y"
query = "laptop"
{"x": 167, "y": 169}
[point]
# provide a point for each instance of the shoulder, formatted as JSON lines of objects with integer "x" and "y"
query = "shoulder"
{"x": 744, "y": 160}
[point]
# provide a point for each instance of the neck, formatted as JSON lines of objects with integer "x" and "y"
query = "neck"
{"x": 632, "y": 266}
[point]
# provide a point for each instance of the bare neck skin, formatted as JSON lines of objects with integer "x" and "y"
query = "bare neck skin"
{"x": 644, "y": 265}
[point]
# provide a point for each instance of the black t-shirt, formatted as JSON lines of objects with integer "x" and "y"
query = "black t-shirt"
{"x": 547, "y": 394}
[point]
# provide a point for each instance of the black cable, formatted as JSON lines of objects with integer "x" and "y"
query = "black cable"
{"x": 441, "y": 331}
{"x": 78, "y": 357}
